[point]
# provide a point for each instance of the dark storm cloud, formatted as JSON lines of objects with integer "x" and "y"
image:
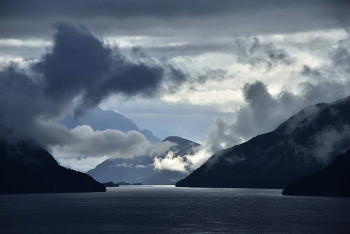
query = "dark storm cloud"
{"x": 252, "y": 51}
{"x": 341, "y": 55}
{"x": 79, "y": 71}
{"x": 116, "y": 9}
{"x": 18, "y": 93}
{"x": 19, "y": 19}
{"x": 79, "y": 62}
{"x": 262, "y": 113}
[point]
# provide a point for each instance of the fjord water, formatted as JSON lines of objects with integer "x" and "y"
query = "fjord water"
{"x": 166, "y": 209}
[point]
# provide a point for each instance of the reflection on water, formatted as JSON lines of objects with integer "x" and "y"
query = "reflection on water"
{"x": 166, "y": 209}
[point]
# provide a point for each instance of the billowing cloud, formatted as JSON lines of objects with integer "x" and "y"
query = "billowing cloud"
{"x": 199, "y": 156}
{"x": 80, "y": 65}
{"x": 84, "y": 141}
{"x": 341, "y": 55}
{"x": 160, "y": 148}
{"x": 171, "y": 162}
{"x": 252, "y": 51}
{"x": 264, "y": 111}
{"x": 329, "y": 139}
{"x": 78, "y": 72}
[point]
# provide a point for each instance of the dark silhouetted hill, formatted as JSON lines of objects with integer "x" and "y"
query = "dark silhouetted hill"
{"x": 304, "y": 143}
{"x": 28, "y": 168}
{"x": 334, "y": 180}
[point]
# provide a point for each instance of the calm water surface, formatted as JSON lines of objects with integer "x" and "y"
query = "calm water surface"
{"x": 165, "y": 209}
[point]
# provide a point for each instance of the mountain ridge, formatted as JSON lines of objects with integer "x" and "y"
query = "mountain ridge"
{"x": 101, "y": 120}
{"x": 276, "y": 158}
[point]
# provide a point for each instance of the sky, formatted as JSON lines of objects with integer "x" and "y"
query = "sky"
{"x": 216, "y": 72}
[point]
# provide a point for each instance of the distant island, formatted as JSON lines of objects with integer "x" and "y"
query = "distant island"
{"x": 110, "y": 184}
{"x": 27, "y": 168}
{"x": 333, "y": 180}
{"x": 123, "y": 183}
{"x": 137, "y": 184}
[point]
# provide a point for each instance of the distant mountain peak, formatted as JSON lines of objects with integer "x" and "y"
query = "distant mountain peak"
{"x": 180, "y": 141}
{"x": 150, "y": 136}
{"x": 148, "y": 131}
{"x": 101, "y": 120}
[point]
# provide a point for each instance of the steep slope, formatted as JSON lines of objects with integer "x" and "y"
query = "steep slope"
{"x": 101, "y": 120}
{"x": 334, "y": 180}
{"x": 28, "y": 168}
{"x": 150, "y": 136}
{"x": 131, "y": 170}
{"x": 141, "y": 168}
{"x": 304, "y": 143}
{"x": 183, "y": 145}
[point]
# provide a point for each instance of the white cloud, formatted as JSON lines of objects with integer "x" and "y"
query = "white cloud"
{"x": 170, "y": 162}
{"x": 83, "y": 141}
{"x": 207, "y": 97}
{"x": 160, "y": 149}
{"x": 197, "y": 159}
{"x": 331, "y": 36}
{"x": 23, "y": 43}
{"x": 83, "y": 164}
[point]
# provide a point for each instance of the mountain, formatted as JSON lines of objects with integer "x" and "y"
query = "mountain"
{"x": 304, "y": 143}
{"x": 184, "y": 146}
{"x": 334, "y": 180}
{"x": 150, "y": 136}
{"x": 27, "y": 168}
{"x": 140, "y": 169}
{"x": 131, "y": 170}
{"x": 101, "y": 120}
